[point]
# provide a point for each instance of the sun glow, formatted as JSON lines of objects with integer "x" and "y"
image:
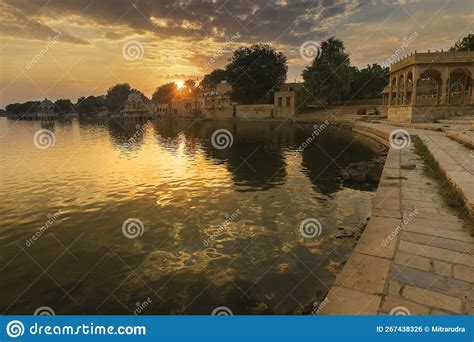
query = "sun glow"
{"x": 180, "y": 84}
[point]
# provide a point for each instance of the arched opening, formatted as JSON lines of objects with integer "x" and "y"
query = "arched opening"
{"x": 409, "y": 85}
{"x": 401, "y": 90}
{"x": 459, "y": 86}
{"x": 428, "y": 87}
{"x": 393, "y": 91}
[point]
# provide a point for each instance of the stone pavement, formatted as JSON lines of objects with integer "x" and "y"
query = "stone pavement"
{"x": 415, "y": 255}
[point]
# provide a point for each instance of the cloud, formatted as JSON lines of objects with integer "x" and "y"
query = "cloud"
{"x": 291, "y": 21}
{"x": 15, "y": 24}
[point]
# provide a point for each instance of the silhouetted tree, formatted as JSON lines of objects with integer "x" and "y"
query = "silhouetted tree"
{"x": 328, "y": 78}
{"x": 210, "y": 81}
{"x": 369, "y": 82}
{"x": 164, "y": 93}
{"x": 255, "y": 72}
{"x": 116, "y": 97}
{"x": 86, "y": 105}
{"x": 22, "y": 108}
{"x": 465, "y": 44}
{"x": 63, "y": 106}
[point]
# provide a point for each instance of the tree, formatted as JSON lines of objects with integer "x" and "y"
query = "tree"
{"x": 369, "y": 82}
{"x": 328, "y": 78}
{"x": 22, "y": 108}
{"x": 86, "y": 105}
{"x": 116, "y": 97}
{"x": 255, "y": 72}
{"x": 465, "y": 44}
{"x": 210, "y": 81}
{"x": 63, "y": 106}
{"x": 164, "y": 93}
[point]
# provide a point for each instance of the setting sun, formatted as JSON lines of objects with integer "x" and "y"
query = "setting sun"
{"x": 180, "y": 84}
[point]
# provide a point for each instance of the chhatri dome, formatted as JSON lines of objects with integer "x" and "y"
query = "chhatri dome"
{"x": 134, "y": 103}
{"x": 46, "y": 106}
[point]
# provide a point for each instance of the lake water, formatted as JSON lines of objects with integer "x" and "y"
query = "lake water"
{"x": 129, "y": 217}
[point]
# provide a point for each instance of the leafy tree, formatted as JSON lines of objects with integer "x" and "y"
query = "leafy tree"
{"x": 255, "y": 72}
{"x": 116, "y": 97}
{"x": 190, "y": 86}
{"x": 369, "y": 82}
{"x": 210, "y": 81}
{"x": 164, "y": 93}
{"x": 22, "y": 108}
{"x": 328, "y": 78}
{"x": 465, "y": 44}
{"x": 63, "y": 106}
{"x": 86, "y": 105}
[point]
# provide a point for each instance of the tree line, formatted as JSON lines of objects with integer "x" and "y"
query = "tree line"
{"x": 255, "y": 72}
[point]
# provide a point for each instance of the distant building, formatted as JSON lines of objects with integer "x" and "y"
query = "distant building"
{"x": 46, "y": 107}
{"x": 135, "y": 106}
{"x": 216, "y": 103}
{"x": 183, "y": 106}
{"x": 286, "y": 100}
{"x": 428, "y": 86}
{"x": 160, "y": 109}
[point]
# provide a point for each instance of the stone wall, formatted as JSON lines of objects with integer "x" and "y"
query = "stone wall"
{"x": 259, "y": 111}
{"x": 418, "y": 114}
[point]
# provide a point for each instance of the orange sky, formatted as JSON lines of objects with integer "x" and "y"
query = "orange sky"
{"x": 67, "y": 49}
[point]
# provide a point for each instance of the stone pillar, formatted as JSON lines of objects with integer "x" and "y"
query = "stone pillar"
{"x": 405, "y": 88}
{"x": 413, "y": 91}
{"x": 444, "y": 86}
{"x": 390, "y": 91}
{"x": 397, "y": 87}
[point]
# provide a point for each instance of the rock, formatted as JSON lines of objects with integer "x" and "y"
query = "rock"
{"x": 408, "y": 167}
{"x": 364, "y": 172}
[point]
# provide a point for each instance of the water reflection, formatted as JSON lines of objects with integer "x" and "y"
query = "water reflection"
{"x": 167, "y": 174}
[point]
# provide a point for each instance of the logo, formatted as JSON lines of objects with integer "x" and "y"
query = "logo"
{"x": 44, "y": 311}
{"x": 400, "y": 311}
{"x": 133, "y": 228}
{"x": 15, "y": 329}
{"x": 133, "y": 50}
{"x": 311, "y": 228}
{"x": 399, "y": 139}
{"x": 44, "y": 139}
{"x": 222, "y": 139}
{"x": 222, "y": 311}
{"x": 310, "y": 50}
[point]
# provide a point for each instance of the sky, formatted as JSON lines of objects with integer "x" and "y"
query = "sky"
{"x": 73, "y": 48}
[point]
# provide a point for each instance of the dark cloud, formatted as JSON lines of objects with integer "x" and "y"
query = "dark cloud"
{"x": 14, "y": 23}
{"x": 287, "y": 22}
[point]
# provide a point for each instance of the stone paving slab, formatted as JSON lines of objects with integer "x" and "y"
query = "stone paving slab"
{"x": 427, "y": 266}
